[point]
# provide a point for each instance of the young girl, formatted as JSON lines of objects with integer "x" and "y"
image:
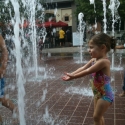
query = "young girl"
{"x": 99, "y": 68}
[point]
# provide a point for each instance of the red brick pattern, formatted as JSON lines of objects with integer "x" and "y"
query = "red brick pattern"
{"x": 58, "y": 107}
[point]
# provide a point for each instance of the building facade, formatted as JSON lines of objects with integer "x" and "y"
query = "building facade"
{"x": 64, "y": 10}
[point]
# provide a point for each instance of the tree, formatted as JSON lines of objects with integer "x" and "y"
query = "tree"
{"x": 7, "y": 11}
{"x": 121, "y": 9}
{"x": 90, "y": 15}
{"x": 88, "y": 10}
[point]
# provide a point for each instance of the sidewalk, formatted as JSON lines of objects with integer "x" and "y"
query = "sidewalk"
{"x": 52, "y": 101}
{"x": 73, "y": 50}
{"x": 61, "y": 50}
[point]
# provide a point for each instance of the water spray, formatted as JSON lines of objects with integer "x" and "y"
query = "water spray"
{"x": 81, "y": 29}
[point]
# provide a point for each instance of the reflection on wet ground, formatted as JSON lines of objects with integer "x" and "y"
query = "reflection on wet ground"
{"x": 51, "y": 101}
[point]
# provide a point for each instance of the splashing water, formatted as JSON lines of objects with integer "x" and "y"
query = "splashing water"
{"x": 81, "y": 29}
{"x": 20, "y": 77}
{"x": 104, "y": 20}
{"x": 31, "y": 7}
{"x": 19, "y": 34}
{"x": 114, "y": 4}
{"x": 93, "y": 2}
{"x": 19, "y": 72}
{"x": 79, "y": 91}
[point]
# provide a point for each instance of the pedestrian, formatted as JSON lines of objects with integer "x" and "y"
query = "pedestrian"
{"x": 68, "y": 35}
{"x": 62, "y": 37}
{"x": 99, "y": 68}
{"x": 40, "y": 47}
{"x": 123, "y": 93}
{"x": 3, "y": 64}
{"x": 57, "y": 40}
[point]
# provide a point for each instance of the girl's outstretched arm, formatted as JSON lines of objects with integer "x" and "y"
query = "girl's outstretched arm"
{"x": 99, "y": 65}
{"x": 69, "y": 76}
{"x": 83, "y": 67}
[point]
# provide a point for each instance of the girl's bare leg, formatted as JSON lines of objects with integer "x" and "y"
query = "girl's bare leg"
{"x": 95, "y": 102}
{"x": 100, "y": 107}
{"x": 122, "y": 94}
{"x": 102, "y": 120}
{"x": 7, "y": 103}
{"x": 0, "y": 120}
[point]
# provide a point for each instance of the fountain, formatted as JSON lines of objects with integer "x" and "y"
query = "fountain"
{"x": 21, "y": 60}
{"x": 81, "y": 29}
{"x": 104, "y": 20}
{"x": 21, "y": 64}
{"x": 93, "y": 2}
{"x": 114, "y": 4}
{"x": 19, "y": 72}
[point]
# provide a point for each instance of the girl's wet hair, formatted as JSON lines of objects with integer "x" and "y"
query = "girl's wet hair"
{"x": 102, "y": 38}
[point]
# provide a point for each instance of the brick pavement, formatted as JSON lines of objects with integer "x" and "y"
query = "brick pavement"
{"x": 51, "y": 101}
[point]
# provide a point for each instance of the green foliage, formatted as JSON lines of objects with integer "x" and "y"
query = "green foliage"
{"x": 121, "y": 9}
{"x": 90, "y": 15}
{"x": 89, "y": 10}
{"x": 4, "y": 12}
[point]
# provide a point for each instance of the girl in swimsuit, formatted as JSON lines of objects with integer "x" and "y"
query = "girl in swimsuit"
{"x": 99, "y": 68}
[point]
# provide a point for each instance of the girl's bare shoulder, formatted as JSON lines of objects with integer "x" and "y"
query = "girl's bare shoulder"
{"x": 1, "y": 40}
{"x": 104, "y": 61}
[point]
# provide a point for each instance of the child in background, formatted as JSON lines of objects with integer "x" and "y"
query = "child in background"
{"x": 99, "y": 68}
{"x": 123, "y": 93}
{"x": 3, "y": 64}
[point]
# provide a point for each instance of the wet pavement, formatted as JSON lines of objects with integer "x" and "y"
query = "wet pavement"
{"x": 51, "y": 101}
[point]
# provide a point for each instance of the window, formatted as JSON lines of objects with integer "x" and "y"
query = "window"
{"x": 66, "y": 18}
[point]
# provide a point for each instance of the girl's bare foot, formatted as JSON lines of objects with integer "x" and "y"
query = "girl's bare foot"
{"x": 122, "y": 94}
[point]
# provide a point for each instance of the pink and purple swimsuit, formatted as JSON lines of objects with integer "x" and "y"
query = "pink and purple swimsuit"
{"x": 101, "y": 86}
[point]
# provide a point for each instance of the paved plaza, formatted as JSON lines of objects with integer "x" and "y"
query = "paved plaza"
{"x": 51, "y": 101}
